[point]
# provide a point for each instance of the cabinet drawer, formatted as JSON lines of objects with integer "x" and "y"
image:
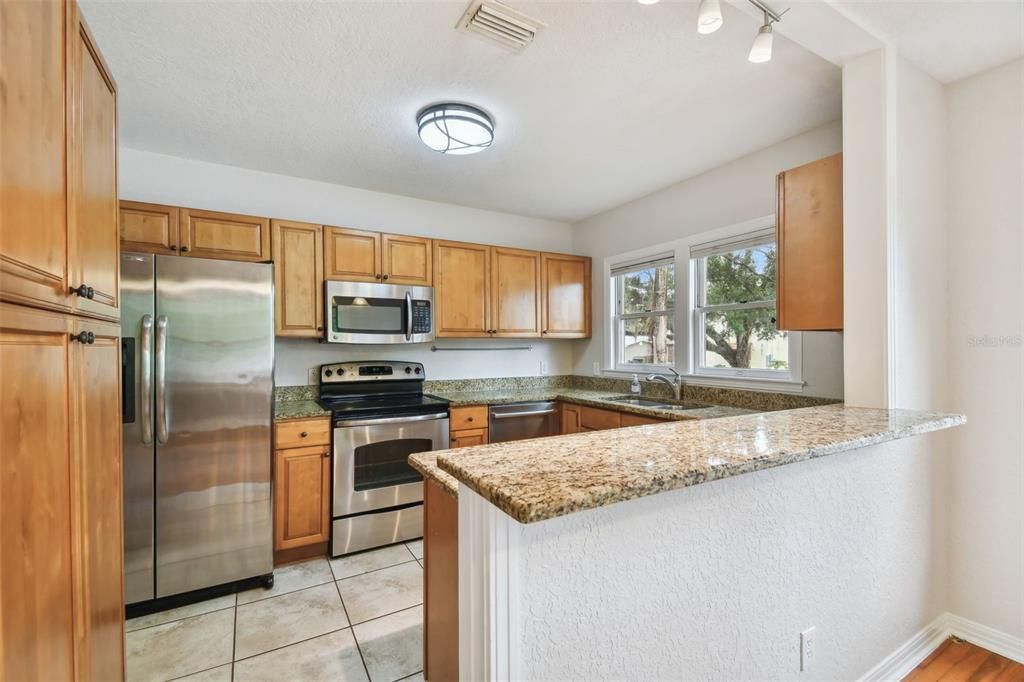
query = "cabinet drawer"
{"x": 302, "y": 432}
{"x": 592, "y": 418}
{"x": 468, "y": 418}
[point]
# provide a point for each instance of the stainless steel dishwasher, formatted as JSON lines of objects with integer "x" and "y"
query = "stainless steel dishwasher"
{"x": 518, "y": 421}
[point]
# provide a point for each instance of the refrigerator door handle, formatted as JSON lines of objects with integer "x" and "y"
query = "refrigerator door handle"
{"x": 161, "y": 379}
{"x": 146, "y": 380}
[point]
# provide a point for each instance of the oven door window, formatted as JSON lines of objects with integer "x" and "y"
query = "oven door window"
{"x": 386, "y": 463}
{"x": 358, "y": 315}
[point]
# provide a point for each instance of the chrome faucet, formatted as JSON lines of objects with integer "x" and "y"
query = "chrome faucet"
{"x": 675, "y": 383}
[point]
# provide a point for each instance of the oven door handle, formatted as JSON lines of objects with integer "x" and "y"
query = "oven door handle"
{"x": 408, "y": 316}
{"x": 390, "y": 420}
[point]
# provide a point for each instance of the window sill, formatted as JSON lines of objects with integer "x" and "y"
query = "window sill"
{"x": 742, "y": 383}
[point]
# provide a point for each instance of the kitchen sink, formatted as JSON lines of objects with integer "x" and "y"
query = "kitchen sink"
{"x": 657, "y": 404}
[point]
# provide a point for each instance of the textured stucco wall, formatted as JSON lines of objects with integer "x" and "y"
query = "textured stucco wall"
{"x": 717, "y": 581}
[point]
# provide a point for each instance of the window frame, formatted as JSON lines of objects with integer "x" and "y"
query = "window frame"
{"x": 689, "y": 338}
{"x": 619, "y": 317}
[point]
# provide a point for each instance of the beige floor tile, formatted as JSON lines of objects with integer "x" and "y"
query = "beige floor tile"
{"x": 290, "y": 579}
{"x": 392, "y": 646}
{"x": 181, "y": 647}
{"x": 381, "y": 592}
{"x": 416, "y": 547}
{"x": 219, "y": 674}
{"x": 215, "y": 604}
{"x": 287, "y": 619}
{"x": 328, "y": 658}
{"x": 354, "y": 564}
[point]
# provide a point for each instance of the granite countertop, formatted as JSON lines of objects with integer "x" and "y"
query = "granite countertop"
{"x": 534, "y": 480}
{"x": 426, "y": 464}
{"x": 586, "y": 397}
{"x": 298, "y": 409}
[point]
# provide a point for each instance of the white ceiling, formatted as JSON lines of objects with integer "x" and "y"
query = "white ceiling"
{"x": 950, "y": 39}
{"x": 614, "y": 100}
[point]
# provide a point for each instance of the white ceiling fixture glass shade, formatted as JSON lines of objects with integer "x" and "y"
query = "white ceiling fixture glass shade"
{"x": 648, "y": 2}
{"x": 709, "y": 16}
{"x": 761, "y": 50}
{"x": 458, "y": 129}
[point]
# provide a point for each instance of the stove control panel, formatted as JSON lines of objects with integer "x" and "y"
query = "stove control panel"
{"x": 385, "y": 370}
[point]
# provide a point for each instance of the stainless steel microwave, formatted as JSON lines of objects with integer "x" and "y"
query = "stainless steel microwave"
{"x": 360, "y": 312}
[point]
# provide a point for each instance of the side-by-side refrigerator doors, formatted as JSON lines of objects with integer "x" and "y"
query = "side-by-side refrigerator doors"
{"x": 137, "y": 320}
{"x": 213, "y": 391}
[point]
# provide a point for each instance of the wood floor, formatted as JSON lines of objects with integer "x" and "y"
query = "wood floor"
{"x": 959, "y": 661}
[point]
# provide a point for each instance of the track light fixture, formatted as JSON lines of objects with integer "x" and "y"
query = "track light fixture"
{"x": 709, "y": 20}
{"x": 709, "y": 16}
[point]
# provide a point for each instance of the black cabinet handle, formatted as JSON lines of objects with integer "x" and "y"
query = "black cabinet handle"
{"x": 88, "y": 338}
{"x": 84, "y": 291}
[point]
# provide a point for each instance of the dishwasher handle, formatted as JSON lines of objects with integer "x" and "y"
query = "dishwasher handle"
{"x": 512, "y": 415}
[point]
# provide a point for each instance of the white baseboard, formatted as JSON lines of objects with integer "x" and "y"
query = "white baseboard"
{"x": 907, "y": 656}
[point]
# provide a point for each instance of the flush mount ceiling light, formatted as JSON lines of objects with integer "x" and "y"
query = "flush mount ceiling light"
{"x": 452, "y": 128}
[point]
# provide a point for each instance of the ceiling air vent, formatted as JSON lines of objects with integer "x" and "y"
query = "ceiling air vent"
{"x": 500, "y": 23}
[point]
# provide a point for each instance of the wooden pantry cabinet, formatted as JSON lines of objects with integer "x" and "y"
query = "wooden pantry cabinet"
{"x": 298, "y": 279}
{"x": 302, "y": 483}
{"x": 361, "y": 256}
{"x": 809, "y": 235}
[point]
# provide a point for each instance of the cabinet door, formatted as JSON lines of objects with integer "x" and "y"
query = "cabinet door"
{"x": 33, "y": 193}
{"x": 515, "y": 292}
{"x": 629, "y": 419}
{"x": 440, "y": 583}
{"x": 92, "y": 226}
{"x": 565, "y": 284}
{"x": 407, "y": 260}
{"x": 467, "y": 438}
{"x": 596, "y": 419}
{"x": 809, "y": 235}
{"x": 351, "y": 255}
{"x": 298, "y": 279}
{"x": 228, "y": 236}
{"x": 570, "y": 418}
{"x": 96, "y": 496}
{"x": 301, "y": 497}
{"x": 36, "y": 618}
{"x": 149, "y": 228}
{"x": 462, "y": 292}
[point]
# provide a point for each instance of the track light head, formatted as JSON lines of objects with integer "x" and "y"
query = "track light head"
{"x": 761, "y": 50}
{"x": 709, "y": 16}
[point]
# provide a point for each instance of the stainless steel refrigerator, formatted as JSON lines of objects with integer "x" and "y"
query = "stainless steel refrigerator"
{"x": 198, "y": 355}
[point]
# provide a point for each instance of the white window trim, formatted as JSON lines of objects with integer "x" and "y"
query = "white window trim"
{"x": 686, "y": 334}
{"x": 618, "y": 320}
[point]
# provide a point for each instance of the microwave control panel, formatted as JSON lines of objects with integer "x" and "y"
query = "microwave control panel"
{"x": 421, "y": 317}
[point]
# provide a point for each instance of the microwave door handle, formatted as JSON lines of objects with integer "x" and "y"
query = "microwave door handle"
{"x": 408, "y": 316}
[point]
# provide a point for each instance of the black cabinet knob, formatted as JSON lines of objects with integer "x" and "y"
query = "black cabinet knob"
{"x": 184, "y": 249}
{"x": 174, "y": 247}
{"x": 84, "y": 291}
{"x": 88, "y": 338}
{"x": 304, "y": 434}
{"x": 385, "y": 276}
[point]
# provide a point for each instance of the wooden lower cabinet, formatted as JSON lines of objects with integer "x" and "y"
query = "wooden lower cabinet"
{"x": 467, "y": 426}
{"x": 440, "y": 584}
{"x": 302, "y": 483}
{"x": 629, "y": 419}
{"x": 60, "y": 482}
{"x": 467, "y": 438}
{"x": 570, "y": 418}
{"x": 596, "y": 419}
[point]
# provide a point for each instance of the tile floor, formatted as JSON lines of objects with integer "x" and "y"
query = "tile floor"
{"x": 355, "y": 618}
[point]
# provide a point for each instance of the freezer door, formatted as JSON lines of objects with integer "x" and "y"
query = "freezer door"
{"x": 214, "y": 362}
{"x": 137, "y": 291}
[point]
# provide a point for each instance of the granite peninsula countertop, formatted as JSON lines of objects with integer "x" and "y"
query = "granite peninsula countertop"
{"x": 588, "y": 397}
{"x": 543, "y": 478}
{"x": 426, "y": 464}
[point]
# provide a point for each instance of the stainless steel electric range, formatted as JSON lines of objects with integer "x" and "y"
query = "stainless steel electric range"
{"x": 380, "y": 417}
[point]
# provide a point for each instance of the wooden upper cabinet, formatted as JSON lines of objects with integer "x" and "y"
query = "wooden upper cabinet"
{"x": 809, "y": 234}
{"x": 228, "y": 236}
{"x": 302, "y": 483}
{"x": 352, "y": 255}
{"x": 93, "y": 212}
{"x": 565, "y": 305}
{"x": 149, "y": 228}
{"x": 96, "y": 494}
{"x": 298, "y": 278}
{"x": 36, "y": 628}
{"x": 515, "y": 292}
{"x": 406, "y": 260}
{"x": 33, "y": 193}
{"x": 462, "y": 296}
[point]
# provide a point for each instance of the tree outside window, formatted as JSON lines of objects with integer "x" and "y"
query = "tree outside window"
{"x": 646, "y": 322}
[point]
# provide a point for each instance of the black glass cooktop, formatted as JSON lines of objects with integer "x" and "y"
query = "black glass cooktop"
{"x": 388, "y": 405}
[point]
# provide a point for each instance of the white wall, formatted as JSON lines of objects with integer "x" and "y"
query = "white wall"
{"x": 717, "y": 581}
{"x": 157, "y": 178}
{"x": 737, "y": 192}
{"x": 986, "y": 299}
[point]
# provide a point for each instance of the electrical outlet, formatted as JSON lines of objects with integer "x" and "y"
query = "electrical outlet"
{"x": 543, "y": 367}
{"x": 597, "y": 368}
{"x": 313, "y": 377}
{"x": 807, "y": 649}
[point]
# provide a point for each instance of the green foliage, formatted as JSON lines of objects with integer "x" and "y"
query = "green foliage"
{"x": 740, "y": 277}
